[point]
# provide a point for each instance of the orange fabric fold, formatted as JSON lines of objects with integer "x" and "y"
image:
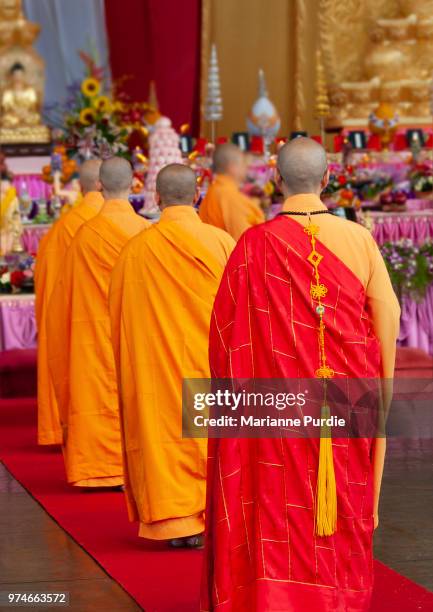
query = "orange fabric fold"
{"x": 52, "y": 250}
{"x": 227, "y": 208}
{"x": 80, "y": 354}
{"x": 161, "y": 296}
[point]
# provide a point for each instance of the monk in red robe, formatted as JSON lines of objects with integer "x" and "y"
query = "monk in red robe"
{"x": 306, "y": 295}
{"x": 224, "y": 205}
{"x": 80, "y": 353}
{"x": 50, "y": 258}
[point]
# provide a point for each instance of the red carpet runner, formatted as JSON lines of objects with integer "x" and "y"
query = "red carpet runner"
{"x": 159, "y": 579}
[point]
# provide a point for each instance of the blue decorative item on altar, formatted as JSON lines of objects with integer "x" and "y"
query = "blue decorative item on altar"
{"x": 263, "y": 119}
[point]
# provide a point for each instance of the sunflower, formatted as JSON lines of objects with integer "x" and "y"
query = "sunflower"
{"x": 101, "y": 104}
{"x": 87, "y": 116}
{"x": 90, "y": 87}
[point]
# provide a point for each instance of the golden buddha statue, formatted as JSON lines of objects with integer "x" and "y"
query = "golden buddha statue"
{"x": 14, "y": 28}
{"x": 422, "y": 8}
{"x": 394, "y": 50}
{"x": 390, "y": 49}
{"x": 21, "y": 78}
{"x": 19, "y": 102}
{"x": 361, "y": 98}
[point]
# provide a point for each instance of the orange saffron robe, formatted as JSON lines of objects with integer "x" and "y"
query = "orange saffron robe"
{"x": 162, "y": 290}
{"x": 229, "y": 209}
{"x": 80, "y": 353}
{"x": 52, "y": 250}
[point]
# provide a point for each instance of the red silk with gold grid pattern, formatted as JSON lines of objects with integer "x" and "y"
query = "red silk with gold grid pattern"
{"x": 262, "y": 553}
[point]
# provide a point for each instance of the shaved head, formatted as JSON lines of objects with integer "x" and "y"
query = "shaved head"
{"x": 89, "y": 175}
{"x": 176, "y": 184}
{"x": 302, "y": 164}
{"x": 224, "y": 156}
{"x": 116, "y": 177}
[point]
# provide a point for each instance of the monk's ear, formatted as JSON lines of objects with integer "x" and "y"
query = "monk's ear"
{"x": 278, "y": 179}
{"x": 197, "y": 195}
{"x": 325, "y": 180}
{"x": 158, "y": 200}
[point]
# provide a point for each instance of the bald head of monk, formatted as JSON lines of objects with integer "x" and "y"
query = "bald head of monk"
{"x": 116, "y": 178}
{"x": 229, "y": 160}
{"x": 89, "y": 175}
{"x": 176, "y": 185}
{"x": 303, "y": 167}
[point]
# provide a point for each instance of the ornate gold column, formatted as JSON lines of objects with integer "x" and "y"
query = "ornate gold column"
{"x": 299, "y": 35}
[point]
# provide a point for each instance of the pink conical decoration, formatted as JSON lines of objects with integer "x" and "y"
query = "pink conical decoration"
{"x": 163, "y": 150}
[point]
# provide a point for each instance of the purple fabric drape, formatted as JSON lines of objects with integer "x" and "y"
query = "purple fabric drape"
{"x": 33, "y": 185}
{"x": 391, "y": 227}
{"x": 32, "y": 236}
{"x": 416, "y": 325}
{"x": 17, "y": 322}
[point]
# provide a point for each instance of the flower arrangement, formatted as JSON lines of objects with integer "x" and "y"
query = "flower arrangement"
{"x": 373, "y": 186}
{"x": 421, "y": 177}
{"x": 336, "y": 182}
{"x": 62, "y": 163}
{"x": 86, "y": 123}
{"x": 349, "y": 185}
{"x": 18, "y": 278}
{"x": 341, "y": 187}
{"x": 410, "y": 267}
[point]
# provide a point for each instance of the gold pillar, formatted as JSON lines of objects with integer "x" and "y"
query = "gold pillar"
{"x": 299, "y": 73}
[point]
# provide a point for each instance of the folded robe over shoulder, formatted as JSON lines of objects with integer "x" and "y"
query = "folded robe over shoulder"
{"x": 50, "y": 256}
{"x": 161, "y": 297}
{"x": 79, "y": 347}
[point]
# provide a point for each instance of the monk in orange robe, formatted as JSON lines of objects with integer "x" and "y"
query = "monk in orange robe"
{"x": 161, "y": 296}
{"x": 224, "y": 205}
{"x": 290, "y": 520}
{"x": 51, "y": 253}
{"x": 80, "y": 353}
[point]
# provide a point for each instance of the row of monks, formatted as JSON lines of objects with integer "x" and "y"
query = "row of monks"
{"x": 158, "y": 293}
{"x": 126, "y": 310}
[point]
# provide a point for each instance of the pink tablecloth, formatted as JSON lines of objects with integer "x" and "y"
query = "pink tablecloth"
{"x": 390, "y": 227}
{"x": 17, "y": 322}
{"x": 416, "y": 326}
{"x": 32, "y": 235}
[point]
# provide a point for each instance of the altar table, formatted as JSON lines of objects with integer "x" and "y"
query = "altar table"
{"x": 416, "y": 324}
{"x": 394, "y": 226}
{"x": 17, "y": 322}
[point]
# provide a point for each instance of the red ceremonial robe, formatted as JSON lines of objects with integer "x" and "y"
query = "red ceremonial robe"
{"x": 262, "y": 552}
